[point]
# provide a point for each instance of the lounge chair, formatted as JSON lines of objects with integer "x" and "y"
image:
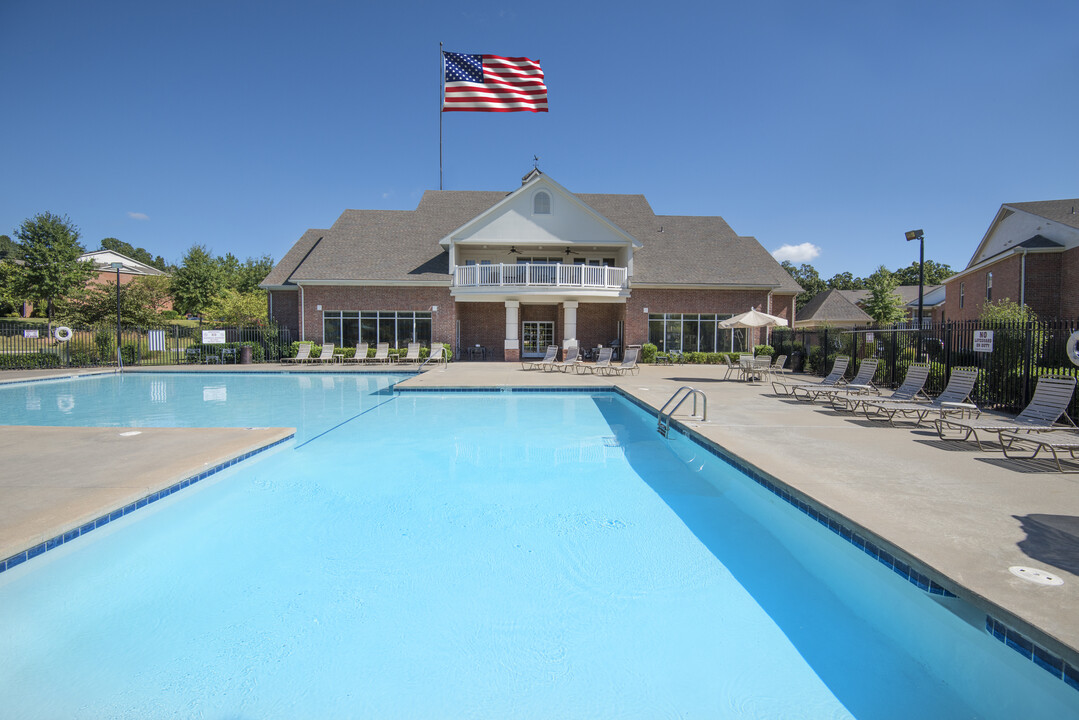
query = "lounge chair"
{"x": 573, "y": 356}
{"x": 1050, "y": 403}
{"x": 413, "y": 354}
{"x": 777, "y": 366}
{"x": 548, "y": 359}
{"x": 361, "y": 353}
{"x": 732, "y": 367}
{"x": 954, "y": 399}
{"x": 629, "y": 362}
{"x": 303, "y": 354}
{"x": 382, "y": 353}
{"x": 1053, "y": 440}
{"x": 326, "y": 354}
{"x": 602, "y": 365}
{"x": 839, "y": 369}
{"x": 909, "y": 391}
{"x": 436, "y": 357}
{"x": 862, "y": 384}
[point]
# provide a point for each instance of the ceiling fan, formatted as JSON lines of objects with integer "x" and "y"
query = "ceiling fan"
{"x": 572, "y": 252}
{"x": 514, "y": 250}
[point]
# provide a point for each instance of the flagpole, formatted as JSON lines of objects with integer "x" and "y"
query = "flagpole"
{"x": 441, "y": 99}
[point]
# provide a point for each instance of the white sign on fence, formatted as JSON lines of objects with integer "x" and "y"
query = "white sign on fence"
{"x": 29, "y": 333}
{"x": 156, "y": 340}
{"x": 213, "y": 337}
{"x": 983, "y": 341}
{"x": 869, "y": 337}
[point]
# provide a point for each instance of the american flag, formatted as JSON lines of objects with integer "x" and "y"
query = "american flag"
{"x": 491, "y": 83}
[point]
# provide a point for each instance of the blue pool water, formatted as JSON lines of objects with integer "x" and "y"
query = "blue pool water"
{"x": 422, "y": 555}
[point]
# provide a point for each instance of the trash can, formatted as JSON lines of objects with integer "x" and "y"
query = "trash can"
{"x": 245, "y": 354}
{"x": 797, "y": 361}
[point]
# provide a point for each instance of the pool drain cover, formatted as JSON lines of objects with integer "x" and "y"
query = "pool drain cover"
{"x": 1035, "y": 575}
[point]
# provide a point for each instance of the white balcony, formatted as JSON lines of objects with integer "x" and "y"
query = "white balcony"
{"x": 539, "y": 278}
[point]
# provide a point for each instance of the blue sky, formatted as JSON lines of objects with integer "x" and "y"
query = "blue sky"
{"x": 239, "y": 125}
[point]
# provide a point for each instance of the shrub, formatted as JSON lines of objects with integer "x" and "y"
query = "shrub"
{"x": 648, "y": 353}
{"x": 763, "y": 350}
{"x": 29, "y": 361}
{"x": 170, "y": 315}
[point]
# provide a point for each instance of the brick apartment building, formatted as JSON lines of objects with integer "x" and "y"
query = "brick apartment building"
{"x": 1030, "y": 255}
{"x": 501, "y": 275}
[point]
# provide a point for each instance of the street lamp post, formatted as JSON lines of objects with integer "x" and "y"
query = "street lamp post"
{"x": 920, "y": 237}
{"x": 116, "y": 266}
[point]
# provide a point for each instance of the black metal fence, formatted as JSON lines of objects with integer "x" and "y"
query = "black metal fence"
{"x": 33, "y": 346}
{"x": 1010, "y": 361}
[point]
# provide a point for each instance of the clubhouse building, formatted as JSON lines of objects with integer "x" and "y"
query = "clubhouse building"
{"x": 502, "y": 275}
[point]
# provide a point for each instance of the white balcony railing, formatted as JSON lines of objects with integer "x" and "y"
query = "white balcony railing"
{"x": 600, "y": 277}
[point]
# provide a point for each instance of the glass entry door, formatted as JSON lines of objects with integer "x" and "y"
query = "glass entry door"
{"x": 535, "y": 337}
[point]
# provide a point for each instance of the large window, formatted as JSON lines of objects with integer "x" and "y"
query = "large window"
{"x": 694, "y": 333}
{"x": 398, "y": 328}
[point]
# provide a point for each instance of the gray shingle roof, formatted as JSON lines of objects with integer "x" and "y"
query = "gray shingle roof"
{"x": 906, "y": 293}
{"x": 1065, "y": 212}
{"x": 282, "y": 272}
{"x": 402, "y": 245}
{"x": 832, "y": 306}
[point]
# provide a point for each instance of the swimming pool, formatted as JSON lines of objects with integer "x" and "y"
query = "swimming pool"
{"x": 471, "y": 554}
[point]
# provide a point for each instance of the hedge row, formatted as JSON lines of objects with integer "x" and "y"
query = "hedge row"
{"x": 29, "y": 361}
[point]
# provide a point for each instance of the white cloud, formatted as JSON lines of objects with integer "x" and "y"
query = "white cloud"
{"x": 797, "y": 253}
{"x": 138, "y": 216}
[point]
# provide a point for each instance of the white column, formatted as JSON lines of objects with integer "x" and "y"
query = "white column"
{"x": 570, "y": 307}
{"x": 512, "y": 342}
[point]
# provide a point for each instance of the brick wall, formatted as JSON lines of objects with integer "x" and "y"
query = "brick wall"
{"x": 1052, "y": 286}
{"x": 1042, "y": 285}
{"x": 420, "y": 299}
{"x": 1069, "y": 284}
{"x": 286, "y": 310}
{"x": 483, "y": 324}
{"x": 597, "y": 323}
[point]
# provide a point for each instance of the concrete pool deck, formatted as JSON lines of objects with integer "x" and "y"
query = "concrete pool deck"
{"x": 961, "y": 516}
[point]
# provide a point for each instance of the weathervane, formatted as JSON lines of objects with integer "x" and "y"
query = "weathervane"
{"x": 535, "y": 162}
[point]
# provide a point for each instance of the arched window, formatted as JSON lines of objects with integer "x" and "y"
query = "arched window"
{"x": 541, "y": 204}
{"x": 989, "y": 287}
{"x": 962, "y": 292}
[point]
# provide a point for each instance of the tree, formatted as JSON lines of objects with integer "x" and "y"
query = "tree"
{"x": 883, "y": 305}
{"x": 1006, "y": 311}
{"x": 239, "y": 308}
{"x": 254, "y": 271}
{"x": 141, "y": 302}
{"x": 846, "y": 281}
{"x": 808, "y": 277}
{"x": 50, "y": 250}
{"x": 196, "y": 282}
{"x": 935, "y": 274}
{"x": 9, "y": 249}
{"x": 141, "y": 254}
{"x": 10, "y": 281}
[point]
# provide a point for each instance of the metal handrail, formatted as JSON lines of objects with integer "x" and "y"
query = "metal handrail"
{"x": 664, "y": 427}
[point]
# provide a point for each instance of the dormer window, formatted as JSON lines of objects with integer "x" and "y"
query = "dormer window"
{"x": 541, "y": 204}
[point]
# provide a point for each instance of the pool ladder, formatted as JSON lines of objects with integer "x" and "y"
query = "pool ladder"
{"x": 680, "y": 396}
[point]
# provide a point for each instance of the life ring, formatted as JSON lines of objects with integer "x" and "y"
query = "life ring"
{"x": 1073, "y": 348}
{"x": 63, "y": 333}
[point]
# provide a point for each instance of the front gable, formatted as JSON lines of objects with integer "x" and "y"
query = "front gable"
{"x": 1015, "y": 225}
{"x": 527, "y": 219}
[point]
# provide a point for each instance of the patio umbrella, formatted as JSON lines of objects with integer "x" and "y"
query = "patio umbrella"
{"x": 752, "y": 319}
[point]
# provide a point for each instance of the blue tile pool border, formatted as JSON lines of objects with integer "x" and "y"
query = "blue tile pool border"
{"x": 53, "y": 378}
{"x": 1040, "y": 656}
{"x": 73, "y": 533}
